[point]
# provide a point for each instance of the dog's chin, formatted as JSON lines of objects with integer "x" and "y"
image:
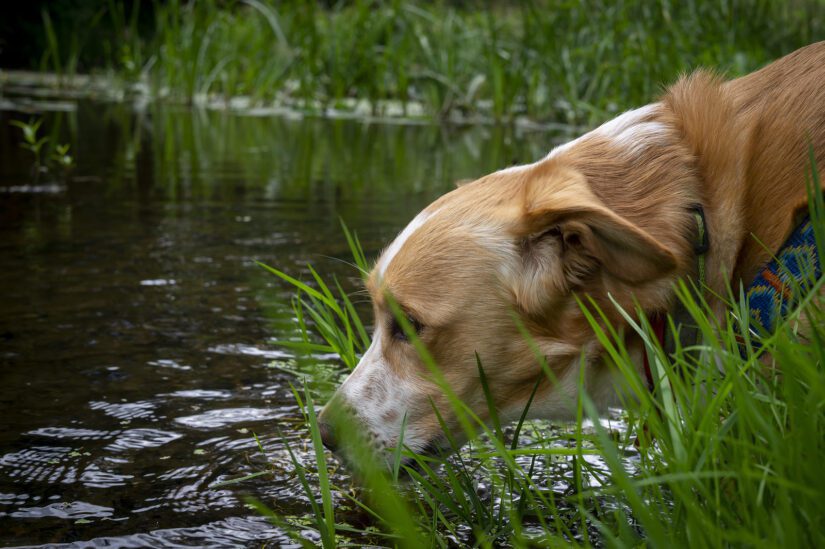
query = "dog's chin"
{"x": 431, "y": 453}
{"x": 439, "y": 448}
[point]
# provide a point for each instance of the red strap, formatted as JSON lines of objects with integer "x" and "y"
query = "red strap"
{"x": 657, "y": 322}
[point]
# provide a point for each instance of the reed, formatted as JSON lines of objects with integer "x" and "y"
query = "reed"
{"x": 547, "y": 61}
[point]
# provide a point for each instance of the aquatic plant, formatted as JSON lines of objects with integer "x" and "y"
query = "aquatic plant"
{"x": 58, "y": 156}
{"x": 31, "y": 142}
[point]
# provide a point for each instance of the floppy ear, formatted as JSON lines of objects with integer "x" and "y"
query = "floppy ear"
{"x": 568, "y": 235}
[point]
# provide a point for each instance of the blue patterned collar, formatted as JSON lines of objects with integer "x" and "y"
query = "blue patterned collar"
{"x": 784, "y": 280}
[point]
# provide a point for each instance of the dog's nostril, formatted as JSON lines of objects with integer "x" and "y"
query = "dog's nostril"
{"x": 327, "y": 435}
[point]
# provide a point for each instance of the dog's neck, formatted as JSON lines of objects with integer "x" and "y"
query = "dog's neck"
{"x": 704, "y": 115}
{"x": 751, "y": 160}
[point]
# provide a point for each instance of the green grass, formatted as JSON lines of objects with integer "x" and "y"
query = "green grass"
{"x": 727, "y": 451}
{"x": 548, "y": 61}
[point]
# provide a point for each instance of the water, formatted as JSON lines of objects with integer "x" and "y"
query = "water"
{"x": 136, "y": 329}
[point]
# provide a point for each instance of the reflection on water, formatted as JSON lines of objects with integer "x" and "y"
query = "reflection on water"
{"x": 135, "y": 323}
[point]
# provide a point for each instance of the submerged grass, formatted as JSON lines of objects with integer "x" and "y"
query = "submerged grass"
{"x": 726, "y": 451}
{"x": 552, "y": 60}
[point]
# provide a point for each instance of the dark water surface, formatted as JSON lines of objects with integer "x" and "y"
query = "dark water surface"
{"x": 136, "y": 354}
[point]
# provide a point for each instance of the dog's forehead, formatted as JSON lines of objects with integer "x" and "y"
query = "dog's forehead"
{"x": 449, "y": 248}
{"x": 433, "y": 239}
{"x": 417, "y": 225}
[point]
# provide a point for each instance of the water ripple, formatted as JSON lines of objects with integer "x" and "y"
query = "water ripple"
{"x": 54, "y": 465}
{"x": 230, "y": 532}
{"x": 214, "y": 419}
{"x": 248, "y": 350}
{"x": 72, "y": 433}
{"x": 192, "y": 498}
{"x": 158, "y": 282}
{"x": 191, "y": 471}
{"x": 142, "y": 438}
{"x": 94, "y": 477}
{"x": 169, "y": 363}
{"x": 39, "y": 463}
{"x": 201, "y": 393}
{"x": 12, "y": 499}
{"x": 232, "y": 445}
{"x": 65, "y": 510}
{"x": 126, "y": 410}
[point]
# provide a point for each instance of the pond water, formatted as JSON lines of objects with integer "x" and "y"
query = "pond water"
{"x": 136, "y": 330}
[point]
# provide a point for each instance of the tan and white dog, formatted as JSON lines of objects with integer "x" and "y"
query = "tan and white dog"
{"x": 606, "y": 214}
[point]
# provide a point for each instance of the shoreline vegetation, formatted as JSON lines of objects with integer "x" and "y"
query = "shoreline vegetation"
{"x": 535, "y": 64}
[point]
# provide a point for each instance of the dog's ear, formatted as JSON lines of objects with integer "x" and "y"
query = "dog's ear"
{"x": 568, "y": 235}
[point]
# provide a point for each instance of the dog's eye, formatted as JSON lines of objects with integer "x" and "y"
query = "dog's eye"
{"x": 397, "y": 331}
{"x": 553, "y": 232}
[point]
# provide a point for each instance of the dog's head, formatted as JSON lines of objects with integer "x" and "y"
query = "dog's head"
{"x": 518, "y": 244}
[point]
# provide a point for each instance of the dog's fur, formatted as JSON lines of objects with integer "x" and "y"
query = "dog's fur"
{"x": 606, "y": 214}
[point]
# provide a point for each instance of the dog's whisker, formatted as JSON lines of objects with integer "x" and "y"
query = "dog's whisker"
{"x": 344, "y": 261}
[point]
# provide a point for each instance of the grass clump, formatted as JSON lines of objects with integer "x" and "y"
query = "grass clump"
{"x": 726, "y": 451}
{"x": 552, "y": 60}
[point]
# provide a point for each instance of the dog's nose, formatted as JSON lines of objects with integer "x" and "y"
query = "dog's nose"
{"x": 327, "y": 435}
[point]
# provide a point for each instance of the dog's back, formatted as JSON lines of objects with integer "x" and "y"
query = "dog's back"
{"x": 782, "y": 111}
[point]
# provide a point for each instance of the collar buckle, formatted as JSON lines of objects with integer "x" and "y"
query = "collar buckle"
{"x": 702, "y": 244}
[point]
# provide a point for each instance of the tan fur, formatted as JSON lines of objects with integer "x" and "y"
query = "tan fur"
{"x": 603, "y": 216}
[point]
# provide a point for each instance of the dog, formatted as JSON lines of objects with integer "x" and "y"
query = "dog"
{"x": 607, "y": 215}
